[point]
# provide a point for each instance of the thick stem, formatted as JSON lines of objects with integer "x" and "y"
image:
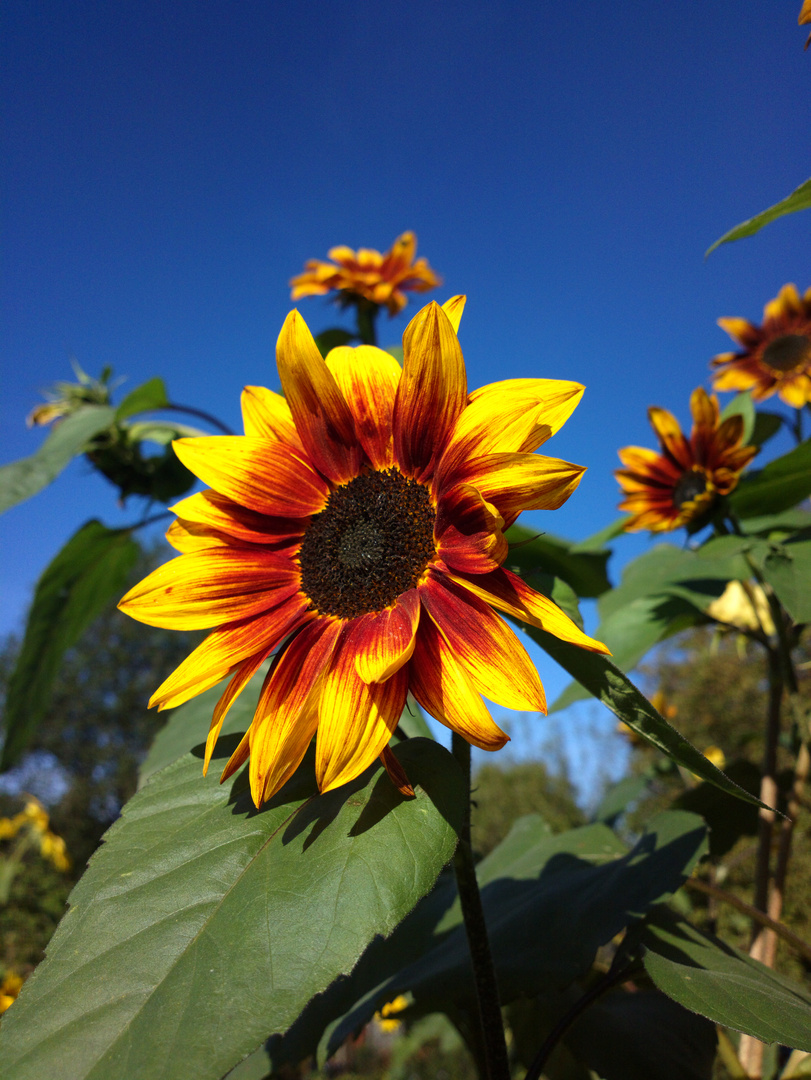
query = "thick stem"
{"x": 484, "y": 972}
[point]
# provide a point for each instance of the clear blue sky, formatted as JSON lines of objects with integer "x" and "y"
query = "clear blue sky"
{"x": 168, "y": 166}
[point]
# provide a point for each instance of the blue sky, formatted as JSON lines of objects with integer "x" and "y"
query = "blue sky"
{"x": 170, "y": 165}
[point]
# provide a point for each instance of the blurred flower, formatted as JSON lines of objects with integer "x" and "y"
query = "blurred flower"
{"x": 31, "y": 825}
{"x": 9, "y": 989}
{"x": 805, "y": 17}
{"x": 360, "y": 521}
{"x": 679, "y": 485}
{"x": 65, "y": 398}
{"x": 384, "y": 1017}
{"x": 776, "y": 356}
{"x": 743, "y": 605}
{"x": 382, "y": 279}
{"x": 716, "y": 756}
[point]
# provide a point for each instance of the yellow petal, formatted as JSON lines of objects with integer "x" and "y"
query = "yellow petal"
{"x": 243, "y": 675}
{"x": 453, "y": 308}
{"x": 368, "y": 378}
{"x": 267, "y": 415}
{"x": 518, "y": 482}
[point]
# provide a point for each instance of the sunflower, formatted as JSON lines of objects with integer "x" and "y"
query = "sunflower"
{"x": 358, "y": 529}
{"x": 378, "y": 278}
{"x": 776, "y": 357}
{"x": 680, "y": 485}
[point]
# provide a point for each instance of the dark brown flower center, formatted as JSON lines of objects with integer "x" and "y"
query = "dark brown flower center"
{"x": 791, "y": 352}
{"x": 369, "y": 544}
{"x": 689, "y": 487}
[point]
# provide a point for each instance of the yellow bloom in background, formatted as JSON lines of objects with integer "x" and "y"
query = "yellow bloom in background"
{"x": 385, "y": 1018}
{"x": 679, "y": 485}
{"x": 805, "y": 17}
{"x": 360, "y": 521}
{"x": 776, "y": 356}
{"x": 9, "y": 989}
{"x": 743, "y": 605}
{"x": 32, "y": 822}
{"x": 383, "y": 279}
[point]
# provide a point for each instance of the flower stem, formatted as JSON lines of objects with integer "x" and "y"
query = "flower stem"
{"x": 367, "y": 316}
{"x": 484, "y": 972}
{"x": 200, "y": 414}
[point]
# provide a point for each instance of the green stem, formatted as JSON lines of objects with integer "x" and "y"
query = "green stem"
{"x": 367, "y": 317}
{"x": 484, "y": 972}
{"x": 191, "y": 411}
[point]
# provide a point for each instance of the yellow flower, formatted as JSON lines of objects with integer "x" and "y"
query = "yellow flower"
{"x": 680, "y": 485}
{"x": 805, "y": 17}
{"x": 776, "y": 356}
{"x": 359, "y": 523}
{"x": 9, "y": 989}
{"x": 52, "y": 848}
{"x": 382, "y": 279}
{"x": 744, "y": 606}
{"x": 383, "y": 1018}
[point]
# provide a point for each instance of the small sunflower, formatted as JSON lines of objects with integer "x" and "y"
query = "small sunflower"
{"x": 776, "y": 356}
{"x": 381, "y": 279}
{"x": 680, "y": 485}
{"x": 359, "y": 524}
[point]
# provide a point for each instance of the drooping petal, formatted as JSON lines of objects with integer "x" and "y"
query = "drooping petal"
{"x": 257, "y": 473}
{"x": 384, "y": 640}
{"x": 513, "y": 416}
{"x": 493, "y": 657}
{"x": 213, "y": 586}
{"x": 286, "y": 716}
{"x": 468, "y": 531}
{"x": 368, "y": 378}
{"x": 431, "y": 394}
{"x": 321, "y": 414}
{"x": 267, "y": 415}
{"x": 220, "y": 514}
{"x": 228, "y": 646}
{"x": 397, "y": 773}
{"x": 242, "y": 676}
{"x": 518, "y": 482}
{"x": 355, "y": 719}
{"x": 444, "y": 689}
{"x": 510, "y": 594}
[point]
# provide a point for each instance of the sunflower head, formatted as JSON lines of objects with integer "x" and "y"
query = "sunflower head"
{"x": 368, "y": 276}
{"x": 775, "y": 357}
{"x": 356, "y": 534}
{"x": 681, "y": 484}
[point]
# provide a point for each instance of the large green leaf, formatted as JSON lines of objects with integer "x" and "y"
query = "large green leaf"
{"x": 616, "y": 691}
{"x": 724, "y": 984}
{"x": 780, "y": 485}
{"x": 21, "y": 479}
{"x": 332, "y": 338}
{"x": 202, "y": 926}
{"x": 87, "y": 574}
{"x": 147, "y": 397}
{"x": 799, "y": 199}
{"x": 549, "y": 902}
{"x": 584, "y": 569}
{"x": 787, "y": 568}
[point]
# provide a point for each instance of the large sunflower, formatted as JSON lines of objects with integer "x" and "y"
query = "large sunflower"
{"x": 680, "y": 485}
{"x": 359, "y": 522}
{"x": 380, "y": 278}
{"x": 776, "y": 356}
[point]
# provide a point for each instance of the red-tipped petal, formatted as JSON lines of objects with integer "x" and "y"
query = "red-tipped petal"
{"x": 384, "y": 640}
{"x": 397, "y": 773}
{"x": 468, "y": 531}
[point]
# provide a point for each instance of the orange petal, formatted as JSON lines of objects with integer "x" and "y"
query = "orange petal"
{"x": 355, "y": 719}
{"x": 453, "y": 308}
{"x": 493, "y": 657}
{"x": 320, "y": 412}
{"x": 286, "y": 716}
{"x": 227, "y": 646}
{"x": 431, "y": 394}
{"x": 468, "y": 531}
{"x": 213, "y": 586}
{"x": 518, "y": 482}
{"x": 510, "y": 594}
{"x": 267, "y": 415}
{"x": 217, "y": 512}
{"x": 513, "y": 416}
{"x": 243, "y": 675}
{"x": 443, "y": 688}
{"x": 384, "y": 640}
{"x": 397, "y": 773}
{"x": 740, "y": 330}
{"x": 258, "y": 473}
{"x": 669, "y": 433}
{"x": 368, "y": 378}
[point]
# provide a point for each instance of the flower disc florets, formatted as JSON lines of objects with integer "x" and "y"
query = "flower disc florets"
{"x": 357, "y": 532}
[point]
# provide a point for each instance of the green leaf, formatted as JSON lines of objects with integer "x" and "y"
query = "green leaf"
{"x": 597, "y": 541}
{"x": 616, "y": 691}
{"x": 619, "y": 797}
{"x": 161, "y": 431}
{"x": 147, "y": 397}
{"x": 778, "y": 486}
{"x": 742, "y": 405}
{"x": 727, "y": 821}
{"x": 799, "y": 199}
{"x": 788, "y": 522}
{"x": 767, "y": 424}
{"x": 396, "y": 351}
{"x": 202, "y": 925}
{"x": 21, "y": 479}
{"x": 89, "y": 572}
{"x": 332, "y": 339}
{"x": 549, "y": 902}
{"x": 787, "y": 568}
{"x": 584, "y": 571}
{"x": 722, "y": 983}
